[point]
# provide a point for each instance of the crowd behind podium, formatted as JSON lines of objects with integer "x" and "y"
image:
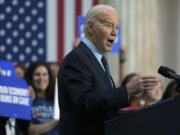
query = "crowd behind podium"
{"x": 40, "y": 77}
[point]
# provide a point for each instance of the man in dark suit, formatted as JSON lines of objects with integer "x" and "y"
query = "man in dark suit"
{"x": 87, "y": 94}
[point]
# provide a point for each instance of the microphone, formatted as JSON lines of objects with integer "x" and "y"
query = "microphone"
{"x": 169, "y": 73}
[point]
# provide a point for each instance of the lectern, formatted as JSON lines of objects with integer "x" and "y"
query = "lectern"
{"x": 162, "y": 118}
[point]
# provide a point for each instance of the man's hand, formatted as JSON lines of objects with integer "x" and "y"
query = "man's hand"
{"x": 140, "y": 83}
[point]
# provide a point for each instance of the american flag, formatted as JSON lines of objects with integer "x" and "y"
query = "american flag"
{"x": 39, "y": 30}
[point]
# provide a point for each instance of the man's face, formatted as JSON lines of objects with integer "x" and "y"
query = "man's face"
{"x": 104, "y": 32}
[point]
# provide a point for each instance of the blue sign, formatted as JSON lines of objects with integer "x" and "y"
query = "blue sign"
{"x": 7, "y": 68}
{"x": 116, "y": 47}
{"x": 81, "y": 21}
{"x": 14, "y": 98}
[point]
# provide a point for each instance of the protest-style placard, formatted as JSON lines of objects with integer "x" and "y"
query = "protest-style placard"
{"x": 7, "y": 68}
{"x": 15, "y": 101}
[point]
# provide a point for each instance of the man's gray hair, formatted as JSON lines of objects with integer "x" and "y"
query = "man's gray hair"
{"x": 93, "y": 13}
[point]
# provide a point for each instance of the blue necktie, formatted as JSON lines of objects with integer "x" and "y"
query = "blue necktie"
{"x": 107, "y": 70}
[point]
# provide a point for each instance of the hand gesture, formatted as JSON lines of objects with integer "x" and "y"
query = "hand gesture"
{"x": 140, "y": 84}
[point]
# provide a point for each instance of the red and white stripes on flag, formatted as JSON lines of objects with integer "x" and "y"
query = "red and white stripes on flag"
{"x": 62, "y": 25}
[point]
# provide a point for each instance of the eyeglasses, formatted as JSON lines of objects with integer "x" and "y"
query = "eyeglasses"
{"x": 109, "y": 24}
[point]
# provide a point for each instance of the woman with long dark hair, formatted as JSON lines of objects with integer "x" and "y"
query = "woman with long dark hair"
{"x": 39, "y": 76}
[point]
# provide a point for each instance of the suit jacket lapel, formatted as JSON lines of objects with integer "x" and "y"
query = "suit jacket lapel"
{"x": 95, "y": 63}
